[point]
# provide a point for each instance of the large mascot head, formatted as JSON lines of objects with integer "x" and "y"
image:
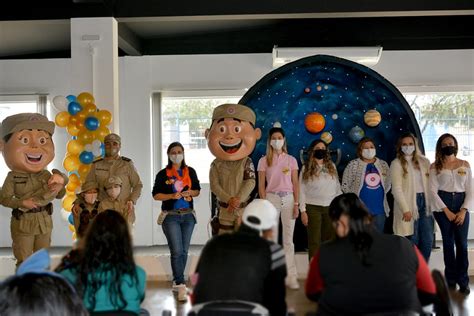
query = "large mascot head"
{"x": 232, "y": 135}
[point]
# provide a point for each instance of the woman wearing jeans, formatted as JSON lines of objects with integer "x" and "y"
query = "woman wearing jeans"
{"x": 175, "y": 186}
{"x": 451, "y": 189}
{"x": 280, "y": 171}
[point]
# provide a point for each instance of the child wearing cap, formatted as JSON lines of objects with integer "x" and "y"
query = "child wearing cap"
{"x": 27, "y": 145}
{"x": 88, "y": 207}
{"x": 113, "y": 188}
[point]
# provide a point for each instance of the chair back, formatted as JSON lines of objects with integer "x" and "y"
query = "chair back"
{"x": 228, "y": 307}
{"x": 442, "y": 305}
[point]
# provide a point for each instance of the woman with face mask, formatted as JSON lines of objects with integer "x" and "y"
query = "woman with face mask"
{"x": 175, "y": 186}
{"x": 280, "y": 172}
{"x": 319, "y": 184}
{"x": 451, "y": 191}
{"x": 369, "y": 178}
{"x": 412, "y": 216}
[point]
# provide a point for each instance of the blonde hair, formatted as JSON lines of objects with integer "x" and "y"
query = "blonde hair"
{"x": 401, "y": 155}
{"x": 269, "y": 155}
{"x": 311, "y": 167}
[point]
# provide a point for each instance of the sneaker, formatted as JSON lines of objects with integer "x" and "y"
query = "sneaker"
{"x": 182, "y": 293}
{"x": 464, "y": 290}
{"x": 175, "y": 287}
{"x": 292, "y": 283}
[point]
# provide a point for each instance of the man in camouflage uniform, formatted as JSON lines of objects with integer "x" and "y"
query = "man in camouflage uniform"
{"x": 115, "y": 165}
{"x": 231, "y": 139}
{"x": 26, "y": 141}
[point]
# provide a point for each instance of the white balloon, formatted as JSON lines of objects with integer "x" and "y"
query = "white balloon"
{"x": 96, "y": 152}
{"x": 88, "y": 147}
{"x": 60, "y": 103}
{"x": 65, "y": 215}
{"x": 96, "y": 144}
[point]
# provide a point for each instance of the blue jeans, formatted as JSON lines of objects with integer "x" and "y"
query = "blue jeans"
{"x": 423, "y": 228}
{"x": 178, "y": 230}
{"x": 379, "y": 222}
{"x": 456, "y": 265}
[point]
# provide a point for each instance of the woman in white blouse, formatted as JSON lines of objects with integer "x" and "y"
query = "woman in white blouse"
{"x": 319, "y": 185}
{"x": 412, "y": 216}
{"x": 451, "y": 189}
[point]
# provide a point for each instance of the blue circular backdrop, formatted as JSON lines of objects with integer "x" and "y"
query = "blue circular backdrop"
{"x": 342, "y": 91}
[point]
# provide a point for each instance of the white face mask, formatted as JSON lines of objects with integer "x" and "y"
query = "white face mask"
{"x": 113, "y": 193}
{"x": 277, "y": 144}
{"x": 90, "y": 198}
{"x": 176, "y": 159}
{"x": 368, "y": 153}
{"x": 408, "y": 150}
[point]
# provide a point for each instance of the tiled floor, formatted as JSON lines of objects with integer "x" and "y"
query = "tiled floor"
{"x": 159, "y": 298}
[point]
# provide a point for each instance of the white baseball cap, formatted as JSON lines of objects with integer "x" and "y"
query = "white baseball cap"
{"x": 260, "y": 215}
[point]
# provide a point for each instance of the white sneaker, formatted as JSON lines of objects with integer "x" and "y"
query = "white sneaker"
{"x": 292, "y": 283}
{"x": 182, "y": 293}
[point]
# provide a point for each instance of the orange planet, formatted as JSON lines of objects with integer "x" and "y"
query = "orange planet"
{"x": 314, "y": 122}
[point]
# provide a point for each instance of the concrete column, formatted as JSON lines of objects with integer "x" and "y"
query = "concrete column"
{"x": 94, "y": 62}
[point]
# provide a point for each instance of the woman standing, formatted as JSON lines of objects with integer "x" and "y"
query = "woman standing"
{"x": 280, "y": 171}
{"x": 412, "y": 215}
{"x": 319, "y": 184}
{"x": 451, "y": 189}
{"x": 175, "y": 186}
{"x": 369, "y": 178}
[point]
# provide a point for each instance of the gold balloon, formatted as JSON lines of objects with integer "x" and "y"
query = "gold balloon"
{"x": 83, "y": 170}
{"x": 85, "y": 98}
{"x": 85, "y": 136}
{"x": 72, "y": 129}
{"x": 104, "y": 117}
{"x": 71, "y": 187}
{"x": 74, "y": 178}
{"x": 72, "y": 228}
{"x": 90, "y": 108}
{"x": 81, "y": 116}
{"x": 62, "y": 119}
{"x": 71, "y": 162}
{"x": 101, "y": 132}
{"x": 74, "y": 236}
{"x": 67, "y": 202}
{"x": 74, "y": 147}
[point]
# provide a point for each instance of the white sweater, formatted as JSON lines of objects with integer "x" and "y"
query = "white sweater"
{"x": 319, "y": 190}
{"x": 404, "y": 194}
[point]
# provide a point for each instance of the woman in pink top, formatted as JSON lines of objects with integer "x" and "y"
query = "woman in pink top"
{"x": 280, "y": 170}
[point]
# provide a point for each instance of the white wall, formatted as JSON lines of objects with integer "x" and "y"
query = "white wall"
{"x": 141, "y": 76}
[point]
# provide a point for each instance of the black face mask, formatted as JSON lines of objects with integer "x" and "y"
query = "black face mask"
{"x": 320, "y": 153}
{"x": 448, "y": 150}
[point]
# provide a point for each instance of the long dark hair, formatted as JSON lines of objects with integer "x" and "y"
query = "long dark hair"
{"x": 107, "y": 256}
{"x": 439, "y": 157}
{"x": 170, "y": 163}
{"x": 350, "y": 205}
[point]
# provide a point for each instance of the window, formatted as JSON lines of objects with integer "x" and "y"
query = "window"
{"x": 10, "y": 105}
{"x": 185, "y": 119}
{"x": 439, "y": 113}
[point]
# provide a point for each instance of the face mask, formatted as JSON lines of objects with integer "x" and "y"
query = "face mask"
{"x": 277, "y": 144}
{"x": 113, "y": 193}
{"x": 408, "y": 150}
{"x": 176, "y": 159}
{"x": 448, "y": 150}
{"x": 111, "y": 152}
{"x": 320, "y": 153}
{"x": 368, "y": 153}
{"x": 90, "y": 198}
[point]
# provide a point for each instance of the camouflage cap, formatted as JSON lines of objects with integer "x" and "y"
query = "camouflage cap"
{"x": 112, "y": 137}
{"x": 237, "y": 111}
{"x": 91, "y": 185}
{"x": 112, "y": 181}
{"x": 18, "y": 122}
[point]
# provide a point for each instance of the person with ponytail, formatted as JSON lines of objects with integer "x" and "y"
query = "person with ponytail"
{"x": 319, "y": 184}
{"x": 412, "y": 216}
{"x": 280, "y": 172}
{"x": 175, "y": 186}
{"x": 451, "y": 190}
{"x": 364, "y": 271}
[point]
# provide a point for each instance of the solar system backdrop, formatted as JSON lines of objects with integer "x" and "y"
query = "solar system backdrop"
{"x": 334, "y": 99}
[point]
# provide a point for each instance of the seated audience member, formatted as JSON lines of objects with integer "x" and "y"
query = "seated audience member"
{"x": 105, "y": 274}
{"x": 36, "y": 291}
{"x": 245, "y": 265}
{"x": 364, "y": 271}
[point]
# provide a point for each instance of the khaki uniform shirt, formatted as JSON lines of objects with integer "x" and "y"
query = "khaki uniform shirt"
{"x": 123, "y": 168}
{"x": 121, "y": 207}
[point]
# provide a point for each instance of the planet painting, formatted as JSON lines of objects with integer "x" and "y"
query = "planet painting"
{"x": 324, "y": 95}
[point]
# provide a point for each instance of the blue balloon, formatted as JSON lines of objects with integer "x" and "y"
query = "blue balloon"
{"x": 91, "y": 123}
{"x": 102, "y": 150}
{"x": 71, "y": 98}
{"x": 74, "y": 137}
{"x": 73, "y": 172}
{"x": 71, "y": 219}
{"x": 86, "y": 157}
{"x": 73, "y": 108}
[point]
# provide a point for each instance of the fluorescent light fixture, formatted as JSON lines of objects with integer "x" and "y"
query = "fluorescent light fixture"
{"x": 368, "y": 56}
